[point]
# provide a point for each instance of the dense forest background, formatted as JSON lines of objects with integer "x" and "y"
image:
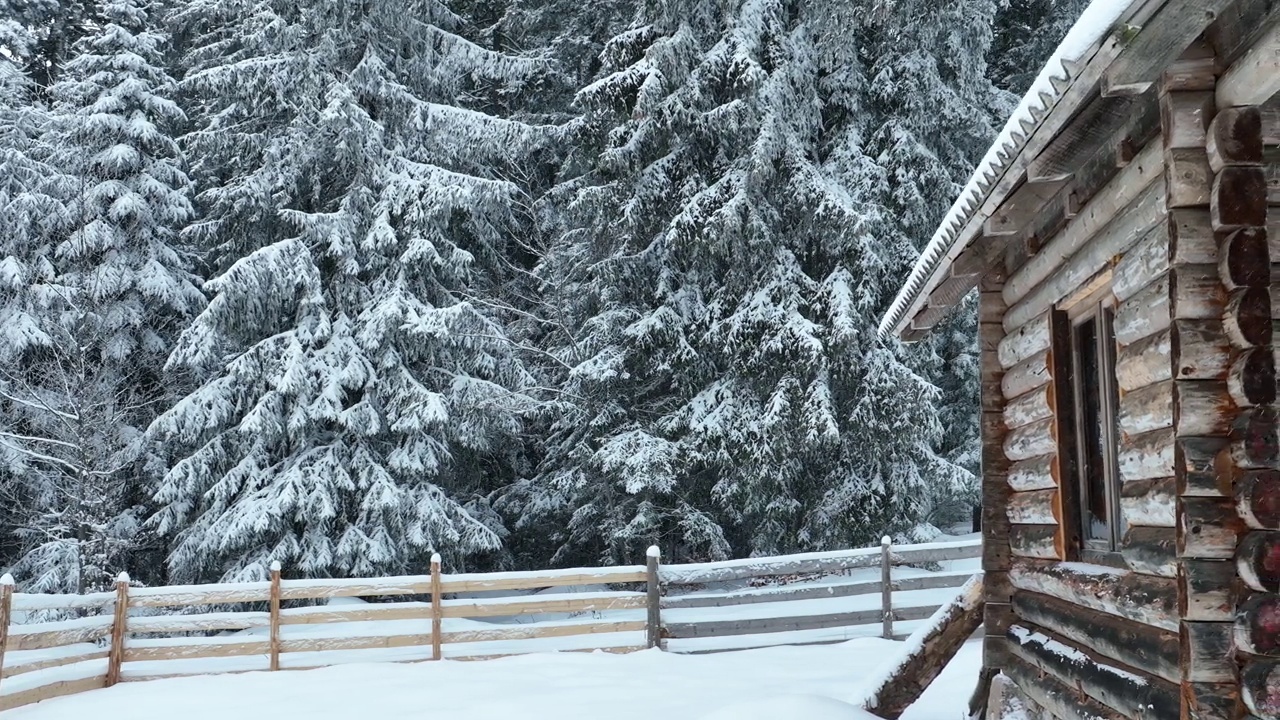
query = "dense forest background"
{"x": 525, "y": 282}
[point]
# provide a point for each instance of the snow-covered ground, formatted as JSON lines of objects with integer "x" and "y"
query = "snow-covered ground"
{"x": 550, "y": 686}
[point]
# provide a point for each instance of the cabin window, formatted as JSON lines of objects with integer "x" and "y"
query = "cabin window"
{"x": 1092, "y": 358}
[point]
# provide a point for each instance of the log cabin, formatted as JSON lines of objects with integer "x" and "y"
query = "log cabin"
{"x": 1123, "y": 236}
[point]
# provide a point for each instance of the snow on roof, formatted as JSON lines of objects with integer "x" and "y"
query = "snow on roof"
{"x": 1093, "y": 26}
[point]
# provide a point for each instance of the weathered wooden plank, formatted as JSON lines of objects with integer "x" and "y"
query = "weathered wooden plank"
{"x": 928, "y": 652}
{"x": 1185, "y": 117}
{"x": 1207, "y": 528}
{"x": 1146, "y": 409}
{"x": 21, "y": 667}
{"x": 1128, "y": 690}
{"x": 1147, "y": 648}
{"x": 138, "y": 650}
{"x": 785, "y": 593}
{"x": 1191, "y": 237}
{"x": 1257, "y": 496}
{"x": 1143, "y": 263}
{"x": 1211, "y": 701}
{"x": 1038, "y": 473}
{"x": 1189, "y": 176}
{"x": 1207, "y": 652}
{"x": 752, "y": 626}
{"x": 1023, "y": 342}
{"x": 1134, "y": 222}
{"x": 1029, "y": 408}
{"x": 1145, "y": 314}
{"x": 1030, "y": 441}
{"x": 1255, "y": 77}
{"x": 1058, "y": 700}
{"x": 1196, "y": 293}
{"x": 1197, "y": 472}
{"x": 1151, "y": 550}
{"x": 1144, "y": 363}
{"x": 355, "y": 613}
{"x": 1038, "y": 507}
{"x": 1035, "y": 541}
{"x": 1207, "y": 590}
{"x": 587, "y": 602}
{"x": 201, "y": 622}
{"x": 1149, "y": 503}
{"x": 52, "y": 690}
{"x": 1119, "y": 193}
{"x": 1202, "y": 408}
{"x": 1026, "y": 375}
{"x": 1199, "y": 350}
{"x": 697, "y": 573}
{"x": 535, "y": 631}
{"x": 1147, "y": 457}
{"x": 1134, "y": 596}
{"x": 200, "y": 595}
{"x": 38, "y": 636}
{"x": 354, "y": 642}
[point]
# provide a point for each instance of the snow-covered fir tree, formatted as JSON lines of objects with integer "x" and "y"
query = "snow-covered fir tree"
{"x": 95, "y": 292}
{"x": 1026, "y": 34}
{"x": 720, "y": 262}
{"x": 358, "y": 398}
{"x": 518, "y": 281}
{"x": 936, "y": 109}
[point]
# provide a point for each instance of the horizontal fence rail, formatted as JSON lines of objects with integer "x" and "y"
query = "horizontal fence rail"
{"x": 55, "y": 645}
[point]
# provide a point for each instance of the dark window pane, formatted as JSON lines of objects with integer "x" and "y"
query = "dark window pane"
{"x": 1111, "y": 433}
{"x": 1093, "y": 433}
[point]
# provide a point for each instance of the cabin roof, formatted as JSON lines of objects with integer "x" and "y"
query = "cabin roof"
{"x": 999, "y": 172}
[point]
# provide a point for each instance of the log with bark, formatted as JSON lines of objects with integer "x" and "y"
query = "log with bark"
{"x": 928, "y": 651}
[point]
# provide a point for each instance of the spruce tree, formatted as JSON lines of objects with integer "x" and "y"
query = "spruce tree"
{"x": 104, "y": 287}
{"x": 358, "y": 396}
{"x": 721, "y": 261}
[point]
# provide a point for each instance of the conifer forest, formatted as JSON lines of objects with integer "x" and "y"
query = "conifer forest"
{"x": 528, "y": 283}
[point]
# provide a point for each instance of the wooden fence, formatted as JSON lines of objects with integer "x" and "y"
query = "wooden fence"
{"x": 146, "y": 633}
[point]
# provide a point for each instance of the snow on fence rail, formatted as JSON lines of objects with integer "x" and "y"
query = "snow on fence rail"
{"x": 145, "y": 633}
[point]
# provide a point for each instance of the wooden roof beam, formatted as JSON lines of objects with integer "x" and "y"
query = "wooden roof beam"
{"x": 1254, "y": 79}
{"x": 1021, "y": 208}
{"x": 1161, "y": 41}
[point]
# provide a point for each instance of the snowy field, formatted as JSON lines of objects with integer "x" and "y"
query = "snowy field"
{"x": 778, "y": 682}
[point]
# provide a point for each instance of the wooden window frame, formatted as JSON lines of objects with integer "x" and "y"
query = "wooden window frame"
{"x": 1097, "y": 307}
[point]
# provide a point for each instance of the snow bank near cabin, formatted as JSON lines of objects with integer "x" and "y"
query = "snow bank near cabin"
{"x": 809, "y": 707}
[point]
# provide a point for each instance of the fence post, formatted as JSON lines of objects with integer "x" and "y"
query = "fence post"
{"x": 116, "y": 656}
{"x": 437, "y": 610}
{"x": 654, "y": 593}
{"x": 886, "y": 585}
{"x": 275, "y": 614}
{"x": 6, "y": 614}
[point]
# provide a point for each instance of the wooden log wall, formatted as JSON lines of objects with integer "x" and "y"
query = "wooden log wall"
{"x": 1247, "y": 464}
{"x": 1022, "y": 419}
{"x": 1075, "y": 625}
{"x": 1201, "y": 408}
{"x": 997, "y": 480}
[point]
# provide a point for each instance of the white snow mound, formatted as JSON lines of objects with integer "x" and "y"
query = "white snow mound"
{"x": 800, "y": 707}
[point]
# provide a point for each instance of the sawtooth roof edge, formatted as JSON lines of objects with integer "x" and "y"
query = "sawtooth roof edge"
{"x": 1058, "y": 74}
